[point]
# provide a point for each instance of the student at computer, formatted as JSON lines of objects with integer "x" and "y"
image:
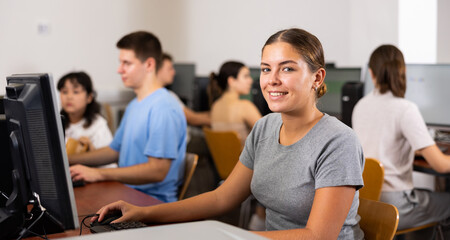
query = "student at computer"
{"x": 166, "y": 74}
{"x": 391, "y": 129}
{"x": 150, "y": 143}
{"x": 304, "y": 166}
{"x": 81, "y": 111}
{"x": 229, "y": 112}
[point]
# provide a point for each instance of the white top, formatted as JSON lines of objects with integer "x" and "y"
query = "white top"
{"x": 98, "y": 133}
{"x": 391, "y": 129}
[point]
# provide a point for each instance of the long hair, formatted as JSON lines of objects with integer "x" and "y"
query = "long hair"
{"x": 93, "y": 108}
{"x": 388, "y": 67}
{"x": 218, "y": 83}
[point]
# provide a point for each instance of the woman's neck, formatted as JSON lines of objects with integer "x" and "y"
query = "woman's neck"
{"x": 229, "y": 94}
{"x": 295, "y": 127}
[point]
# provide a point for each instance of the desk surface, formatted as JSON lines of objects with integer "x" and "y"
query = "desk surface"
{"x": 91, "y": 197}
{"x": 191, "y": 230}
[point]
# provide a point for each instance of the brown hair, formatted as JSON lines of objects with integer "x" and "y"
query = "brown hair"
{"x": 144, "y": 45}
{"x": 388, "y": 67}
{"x": 307, "y": 45}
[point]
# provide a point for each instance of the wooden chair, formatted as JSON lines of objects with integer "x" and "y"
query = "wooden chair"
{"x": 373, "y": 176}
{"x": 108, "y": 113}
{"x": 408, "y": 230}
{"x": 225, "y": 148}
{"x": 378, "y": 220}
{"x": 191, "y": 161}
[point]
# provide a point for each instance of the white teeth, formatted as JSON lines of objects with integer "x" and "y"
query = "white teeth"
{"x": 277, "y": 94}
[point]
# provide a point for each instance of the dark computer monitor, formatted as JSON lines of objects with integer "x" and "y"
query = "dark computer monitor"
{"x": 40, "y": 165}
{"x": 427, "y": 85}
{"x": 183, "y": 83}
{"x": 336, "y": 78}
{"x": 200, "y": 97}
{"x": 256, "y": 95}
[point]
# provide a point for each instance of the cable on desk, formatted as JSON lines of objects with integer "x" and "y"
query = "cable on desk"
{"x": 83, "y": 223}
{"x": 26, "y": 230}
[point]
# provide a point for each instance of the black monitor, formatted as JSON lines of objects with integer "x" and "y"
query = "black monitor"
{"x": 40, "y": 165}
{"x": 256, "y": 95}
{"x": 427, "y": 85}
{"x": 183, "y": 83}
{"x": 335, "y": 79}
{"x": 200, "y": 97}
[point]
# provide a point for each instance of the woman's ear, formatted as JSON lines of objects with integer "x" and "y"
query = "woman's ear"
{"x": 319, "y": 77}
{"x": 231, "y": 80}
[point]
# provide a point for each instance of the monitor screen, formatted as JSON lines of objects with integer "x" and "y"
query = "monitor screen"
{"x": 256, "y": 95}
{"x": 427, "y": 85}
{"x": 335, "y": 79}
{"x": 40, "y": 165}
{"x": 200, "y": 97}
{"x": 183, "y": 83}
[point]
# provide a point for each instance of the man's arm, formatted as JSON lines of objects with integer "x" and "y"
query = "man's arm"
{"x": 197, "y": 118}
{"x": 101, "y": 156}
{"x": 155, "y": 170}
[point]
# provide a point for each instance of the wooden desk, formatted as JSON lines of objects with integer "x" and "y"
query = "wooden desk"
{"x": 91, "y": 197}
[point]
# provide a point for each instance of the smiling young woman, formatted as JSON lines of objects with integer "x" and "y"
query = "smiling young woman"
{"x": 304, "y": 166}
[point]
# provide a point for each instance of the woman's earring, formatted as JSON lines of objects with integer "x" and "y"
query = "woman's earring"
{"x": 315, "y": 89}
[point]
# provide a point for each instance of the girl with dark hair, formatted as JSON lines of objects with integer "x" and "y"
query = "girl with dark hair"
{"x": 228, "y": 111}
{"x": 303, "y": 165}
{"x": 391, "y": 129}
{"x": 81, "y": 111}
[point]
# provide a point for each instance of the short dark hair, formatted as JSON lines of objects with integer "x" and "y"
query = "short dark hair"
{"x": 93, "y": 108}
{"x": 388, "y": 67}
{"x": 144, "y": 44}
{"x": 307, "y": 45}
{"x": 166, "y": 56}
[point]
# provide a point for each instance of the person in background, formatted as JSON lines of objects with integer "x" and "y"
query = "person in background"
{"x": 303, "y": 165}
{"x": 391, "y": 129}
{"x": 81, "y": 112}
{"x": 166, "y": 74}
{"x": 150, "y": 143}
{"x": 228, "y": 111}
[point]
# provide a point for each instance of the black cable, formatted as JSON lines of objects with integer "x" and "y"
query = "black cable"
{"x": 82, "y": 221}
{"x": 25, "y": 230}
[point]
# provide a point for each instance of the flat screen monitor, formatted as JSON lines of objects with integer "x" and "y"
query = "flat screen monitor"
{"x": 40, "y": 165}
{"x": 200, "y": 97}
{"x": 427, "y": 85}
{"x": 335, "y": 79}
{"x": 256, "y": 95}
{"x": 183, "y": 83}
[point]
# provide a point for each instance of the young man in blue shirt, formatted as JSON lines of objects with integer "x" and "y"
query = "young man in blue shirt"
{"x": 150, "y": 143}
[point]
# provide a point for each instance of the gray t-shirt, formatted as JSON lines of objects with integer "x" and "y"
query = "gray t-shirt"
{"x": 285, "y": 177}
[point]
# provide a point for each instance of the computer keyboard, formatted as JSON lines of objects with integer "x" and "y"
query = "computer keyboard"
{"x": 116, "y": 226}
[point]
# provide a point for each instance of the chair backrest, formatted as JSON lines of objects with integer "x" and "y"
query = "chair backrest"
{"x": 225, "y": 148}
{"x": 379, "y": 220}
{"x": 108, "y": 113}
{"x": 190, "y": 161}
{"x": 373, "y": 176}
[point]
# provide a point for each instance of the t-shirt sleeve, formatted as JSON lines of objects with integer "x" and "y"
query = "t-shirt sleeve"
{"x": 166, "y": 126}
{"x": 414, "y": 128}
{"x": 341, "y": 162}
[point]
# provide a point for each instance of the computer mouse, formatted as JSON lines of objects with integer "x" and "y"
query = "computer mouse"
{"x": 107, "y": 219}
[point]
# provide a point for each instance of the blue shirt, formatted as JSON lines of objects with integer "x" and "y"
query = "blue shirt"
{"x": 154, "y": 127}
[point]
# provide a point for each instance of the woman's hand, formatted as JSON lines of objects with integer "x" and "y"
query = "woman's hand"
{"x": 129, "y": 212}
